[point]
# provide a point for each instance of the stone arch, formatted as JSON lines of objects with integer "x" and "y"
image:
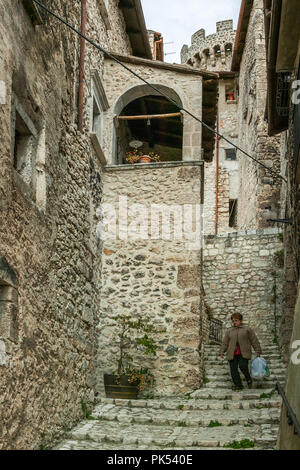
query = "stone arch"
{"x": 139, "y": 91}
{"x": 132, "y": 94}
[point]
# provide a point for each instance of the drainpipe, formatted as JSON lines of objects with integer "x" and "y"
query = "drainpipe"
{"x": 217, "y": 174}
{"x": 81, "y": 72}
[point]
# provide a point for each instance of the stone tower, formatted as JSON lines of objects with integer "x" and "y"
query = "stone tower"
{"x": 214, "y": 53}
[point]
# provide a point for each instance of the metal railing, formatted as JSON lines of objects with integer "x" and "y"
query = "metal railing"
{"x": 215, "y": 330}
{"x": 291, "y": 417}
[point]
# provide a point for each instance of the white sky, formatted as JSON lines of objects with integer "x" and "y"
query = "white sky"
{"x": 177, "y": 20}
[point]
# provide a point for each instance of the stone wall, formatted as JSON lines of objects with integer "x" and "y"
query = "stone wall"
{"x": 228, "y": 181}
{"x": 48, "y": 303}
{"x": 242, "y": 273}
{"x": 156, "y": 279}
{"x": 258, "y": 188}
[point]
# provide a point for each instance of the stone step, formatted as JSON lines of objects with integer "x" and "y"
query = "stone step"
{"x": 189, "y": 404}
{"x": 90, "y": 445}
{"x": 227, "y": 376}
{"x": 264, "y": 349}
{"x": 183, "y": 418}
{"x": 147, "y": 436}
{"x": 229, "y": 394}
{"x": 224, "y": 371}
{"x": 267, "y": 357}
{"x": 219, "y": 361}
{"x": 268, "y": 345}
{"x": 261, "y": 385}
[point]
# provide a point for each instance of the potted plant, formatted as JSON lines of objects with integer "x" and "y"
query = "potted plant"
{"x": 130, "y": 378}
{"x": 136, "y": 156}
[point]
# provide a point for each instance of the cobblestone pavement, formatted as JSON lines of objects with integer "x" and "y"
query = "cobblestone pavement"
{"x": 209, "y": 418}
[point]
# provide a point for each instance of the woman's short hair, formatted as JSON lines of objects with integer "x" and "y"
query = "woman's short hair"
{"x": 238, "y": 316}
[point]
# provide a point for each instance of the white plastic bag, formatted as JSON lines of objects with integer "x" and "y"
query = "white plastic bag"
{"x": 258, "y": 368}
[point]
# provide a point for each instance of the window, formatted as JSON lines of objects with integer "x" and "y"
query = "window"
{"x": 230, "y": 154}
{"x": 8, "y": 304}
{"x": 28, "y": 148}
{"x": 228, "y": 49}
{"x": 104, "y": 8}
{"x": 230, "y": 92}
{"x": 217, "y": 50}
{"x": 99, "y": 105}
{"x": 233, "y": 212}
{"x": 33, "y": 11}
{"x": 24, "y": 144}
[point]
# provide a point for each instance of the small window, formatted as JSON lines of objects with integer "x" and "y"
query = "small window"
{"x": 230, "y": 90}
{"x": 230, "y": 154}
{"x": 217, "y": 50}
{"x": 98, "y": 104}
{"x": 104, "y": 9}
{"x": 28, "y": 149}
{"x": 33, "y": 11}
{"x": 228, "y": 49}
{"x": 233, "y": 212}
{"x": 25, "y": 145}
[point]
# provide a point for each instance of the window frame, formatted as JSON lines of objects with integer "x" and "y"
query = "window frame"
{"x": 228, "y": 150}
{"x": 99, "y": 101}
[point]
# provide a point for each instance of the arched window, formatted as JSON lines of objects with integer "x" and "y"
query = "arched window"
{"x": 228, "y": 49}
{"x": 206, "y": 54}
{"x": 197, "y": 60}
{"x": 136, "y": 121}
{"x": 217, "y": 51}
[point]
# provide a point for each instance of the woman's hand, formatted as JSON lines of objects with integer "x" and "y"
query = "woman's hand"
{"x": 221, "y": 355}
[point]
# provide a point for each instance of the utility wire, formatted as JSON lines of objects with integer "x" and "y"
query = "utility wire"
{"x": 155, "y": 89}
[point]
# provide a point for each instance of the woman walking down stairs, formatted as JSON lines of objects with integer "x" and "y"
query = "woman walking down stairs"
{"x": 213, "y": 417}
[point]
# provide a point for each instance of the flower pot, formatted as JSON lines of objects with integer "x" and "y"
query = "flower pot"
{"x": 120, "y": 387}
{"x": 145, "y": 159}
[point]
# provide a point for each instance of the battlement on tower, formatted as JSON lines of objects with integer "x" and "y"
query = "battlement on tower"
{"x": 212, "y": 52}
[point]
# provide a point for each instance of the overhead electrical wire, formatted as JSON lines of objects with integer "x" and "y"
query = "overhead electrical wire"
{"x": 97, "y": 46}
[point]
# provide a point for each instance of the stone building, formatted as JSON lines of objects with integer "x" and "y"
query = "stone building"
{"x": 160, "y": 278}
{"x": 51, "y": 185}
{"x": 86, "y": 237}
{"x": 63, "y": 155}
{"x": 214, "y": 53}
{"x": 283, "y": 113}
{"x": 259, "y": 190}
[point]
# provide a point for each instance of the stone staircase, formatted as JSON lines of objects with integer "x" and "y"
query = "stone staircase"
{"x": 213, "y": 417}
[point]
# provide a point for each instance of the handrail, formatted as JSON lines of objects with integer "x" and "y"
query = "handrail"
{"x": 215, "y": 330}
{"x": 292, "y": 419}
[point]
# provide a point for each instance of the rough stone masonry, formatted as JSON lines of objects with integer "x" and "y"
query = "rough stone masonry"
{"x": 152, "y": 278}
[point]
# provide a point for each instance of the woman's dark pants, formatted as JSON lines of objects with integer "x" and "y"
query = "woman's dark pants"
{"x": 242, "y": 363}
